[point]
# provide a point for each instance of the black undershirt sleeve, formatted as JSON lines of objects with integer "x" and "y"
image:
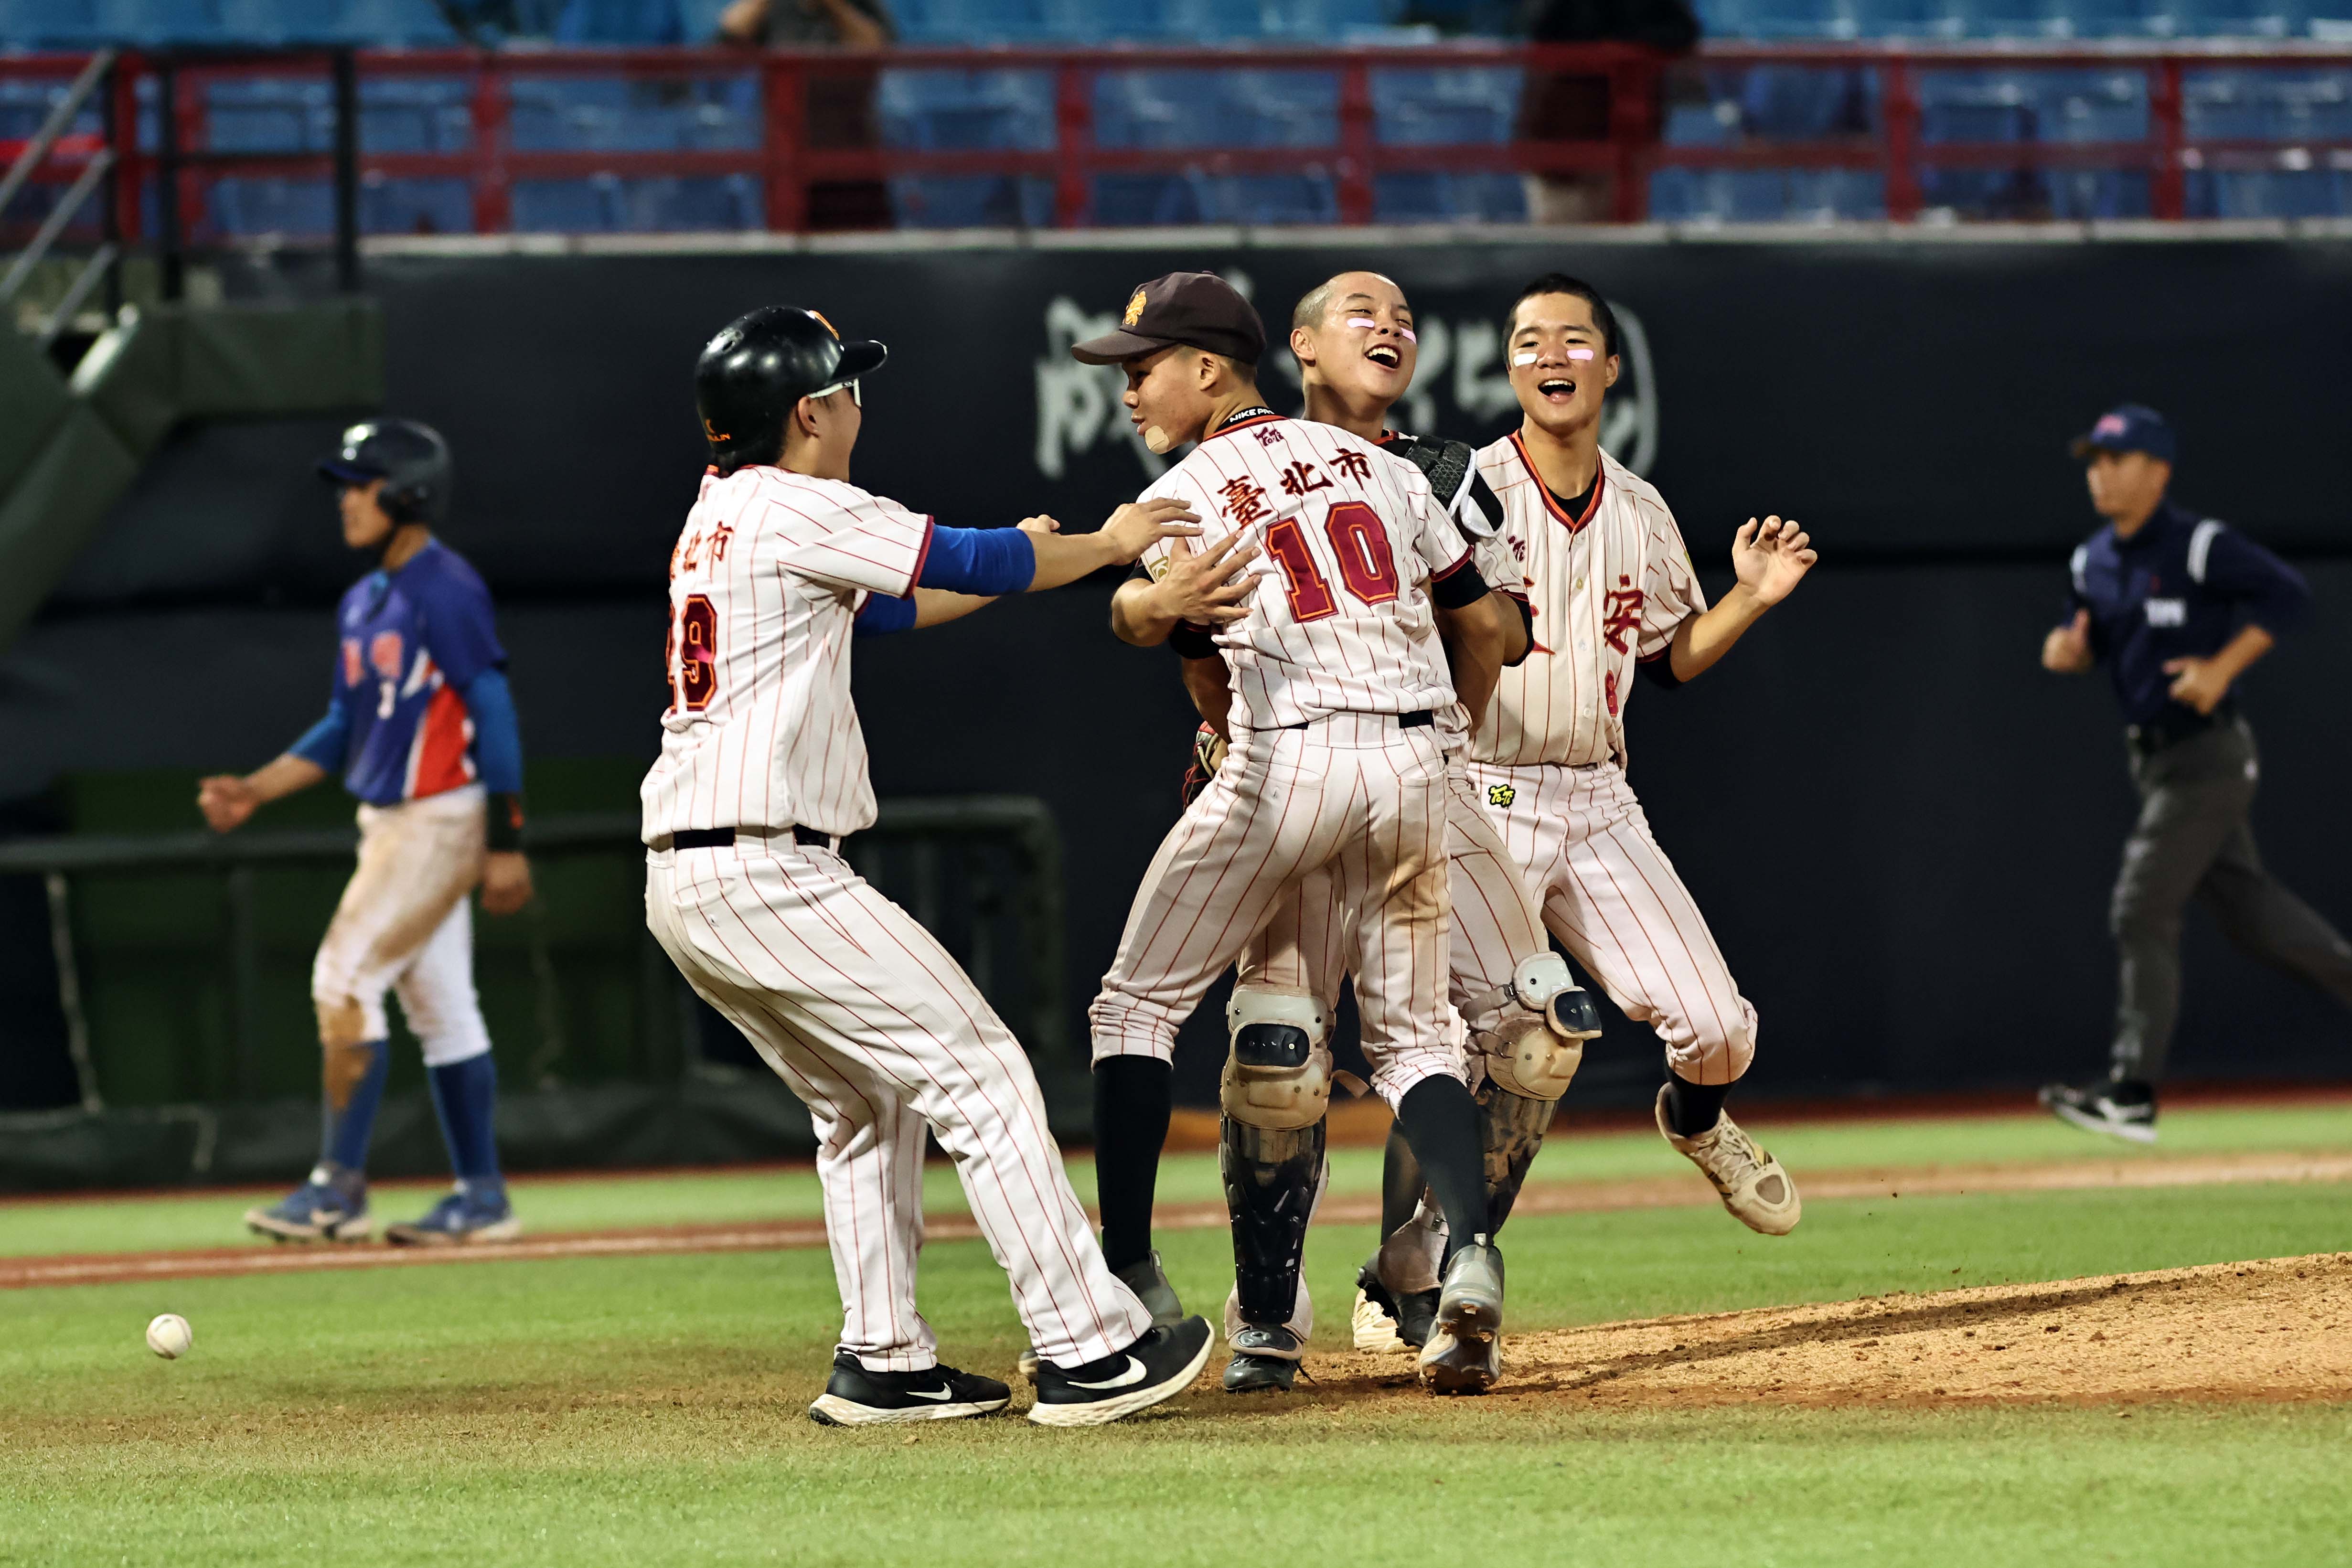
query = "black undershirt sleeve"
{"x": 1459, "y": 586}
{"x": 1528, "y": 625}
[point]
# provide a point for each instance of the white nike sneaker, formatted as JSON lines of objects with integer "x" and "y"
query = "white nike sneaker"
{"x": 1159, "y": 1365}
{"x": 1754, "y": 1187}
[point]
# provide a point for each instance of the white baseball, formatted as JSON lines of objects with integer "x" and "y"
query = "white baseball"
{"x": 170, "y": 1336}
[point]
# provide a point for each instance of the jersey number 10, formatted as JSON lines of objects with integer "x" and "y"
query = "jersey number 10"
{"x": 1367, "y": 564}
{"x": 691, "y": 649}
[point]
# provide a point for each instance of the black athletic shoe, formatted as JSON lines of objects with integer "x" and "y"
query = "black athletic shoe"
{"x": 1159, "y": 1365}
{"x": 855, "y": 1396}
{"x": 1416, "y": 1316}
{"x": 2121, "y": 1109}
{"x": 1264, "y": 1359}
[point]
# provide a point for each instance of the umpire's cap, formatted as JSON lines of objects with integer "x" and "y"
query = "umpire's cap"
{"x": 1197, "y": 308}
{"x": 760, "y": 365}
{"x": 411, "y": 459}
{"x": 2132, "y": 427}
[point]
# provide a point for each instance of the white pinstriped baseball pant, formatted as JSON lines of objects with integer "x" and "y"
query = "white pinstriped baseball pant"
{"x": 870, "y": 1021}
{"x": 1495, "y": 921}
{"x": 1611, "y": 895}
{"x": 1356, "y": 797}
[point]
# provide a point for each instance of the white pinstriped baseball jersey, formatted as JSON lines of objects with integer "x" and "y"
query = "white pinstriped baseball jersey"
{"x": 764, "y": 583}
{"x": 1608, "y": 590}
{"x": 1341, "y": 621}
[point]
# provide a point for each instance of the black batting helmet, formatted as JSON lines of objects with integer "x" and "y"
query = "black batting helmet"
{"x": 758, "y": 366}
{"x": 411, "y": 459}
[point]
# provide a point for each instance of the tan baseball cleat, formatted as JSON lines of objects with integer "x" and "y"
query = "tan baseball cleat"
{"x": 1754, "y": 1187}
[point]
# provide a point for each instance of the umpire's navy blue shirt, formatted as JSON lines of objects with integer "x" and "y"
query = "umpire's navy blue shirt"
{"x": 2179, "y": 587}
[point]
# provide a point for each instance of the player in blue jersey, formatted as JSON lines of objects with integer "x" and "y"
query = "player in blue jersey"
{"x": 422, "y": 728}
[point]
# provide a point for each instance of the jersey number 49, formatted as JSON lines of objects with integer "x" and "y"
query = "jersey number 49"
{"x": 691, "y": 651}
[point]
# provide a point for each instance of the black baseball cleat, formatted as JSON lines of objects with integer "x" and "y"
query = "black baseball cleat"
{"x": 856, "y": 1396}
{"x": 1264, "y": 1359}
{"x": 2119, "y": 1108}
{"x": 1159, "y": 1365}
{"x": 1416, "y": 1316}
{"x": 1463, "y": 1355}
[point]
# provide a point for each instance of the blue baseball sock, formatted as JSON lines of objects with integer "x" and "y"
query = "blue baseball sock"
{"x": 465, "y": 1094}
{"x": 344, "y": 1130}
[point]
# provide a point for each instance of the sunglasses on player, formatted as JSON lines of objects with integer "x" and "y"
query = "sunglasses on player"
{"x": 854, "y": 395}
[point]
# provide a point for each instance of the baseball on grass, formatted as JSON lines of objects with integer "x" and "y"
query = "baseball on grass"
{"x": 170, "y": 1336}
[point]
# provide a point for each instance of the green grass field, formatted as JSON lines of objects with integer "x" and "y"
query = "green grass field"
{"x": 651, "y": 1410}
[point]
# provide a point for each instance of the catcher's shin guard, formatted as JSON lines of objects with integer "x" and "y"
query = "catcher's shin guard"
{"x": 1532, "y": 1034}
{"x": 1511, "y": 1126}
{"x": 1275, "y": 1090}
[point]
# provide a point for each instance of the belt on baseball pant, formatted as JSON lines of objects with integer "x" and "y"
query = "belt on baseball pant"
{"x": 723, "y": 838}
{"x": 2171, "y": 729}
{"x": 1414, "y": 720}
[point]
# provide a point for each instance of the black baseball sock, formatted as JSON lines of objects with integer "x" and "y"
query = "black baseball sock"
{"x": 1132, "y": 1095}
{"x": 1400, "y": 1183}
{"x": 1692, "y": 1108}
{"x": 1441, "y": 1124}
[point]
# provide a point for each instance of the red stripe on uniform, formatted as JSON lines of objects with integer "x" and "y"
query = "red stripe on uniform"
{"x": 441, "y": 742}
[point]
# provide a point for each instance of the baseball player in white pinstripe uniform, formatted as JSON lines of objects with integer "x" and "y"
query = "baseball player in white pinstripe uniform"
{"x": 1353, "y": 338}
{"x": 1611, "y": 587}
{"x": 1368, "y": 618}
{"x": 853, "y": 1003}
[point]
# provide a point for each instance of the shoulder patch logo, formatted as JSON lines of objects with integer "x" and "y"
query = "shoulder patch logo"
{"x": 1501, "y": 795}
{"x": 1134, "y": 309}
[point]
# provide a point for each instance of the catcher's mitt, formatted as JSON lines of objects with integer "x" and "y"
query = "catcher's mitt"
{"x": 1208, "y": 755}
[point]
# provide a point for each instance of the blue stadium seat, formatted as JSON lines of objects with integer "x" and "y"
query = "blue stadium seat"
{"x": 2033, "y": 106}
{"x": 1216, "y": 109}
{"x": 1434, "y": 198}
{"x": 52, "y": 24}
{"x": 1123, "y": 201}
{"x": 976, "y": 202}
{"x": 2278, "y": 105}
{"x": 1445, "y": 108}
{"x": 609, "y": 204}
{"x": 1765, "y": 196}
{"x": 245, "y": 206}
{"x": 612, "y": 114}
{"x": 2240, "y": 19}
{"x": 2078, "y": 195}
{"x": 966, "y": 111}
{"x": 637, "y": 22}
{"x": 2270, "y": 193}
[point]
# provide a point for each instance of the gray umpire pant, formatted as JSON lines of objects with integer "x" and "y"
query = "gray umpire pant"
{"x": 2193, "y": 841}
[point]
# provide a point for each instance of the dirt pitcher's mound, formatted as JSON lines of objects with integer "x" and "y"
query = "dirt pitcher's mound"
{"x": 2278, "y": 1329}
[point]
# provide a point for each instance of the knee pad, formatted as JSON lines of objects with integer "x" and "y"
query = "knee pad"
{"x": 1277, "y": 1072}
{"x": 1532, "y": 1031}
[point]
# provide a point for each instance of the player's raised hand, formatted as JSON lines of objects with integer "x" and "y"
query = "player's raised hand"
{"x": 2067, "y": 648}
{"x": 227, "y": 801}
{"x": 1771, "y": 557}
{"x": 506, "y": 882}
{"x": 1210, "y": 586}
{"x": 1139, "y": 525}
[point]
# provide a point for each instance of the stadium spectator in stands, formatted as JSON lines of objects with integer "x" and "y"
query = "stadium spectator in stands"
{"x": 840, "y": 101}
{"x": 1560, "y": 106}
{"x": 2178, "y": 604}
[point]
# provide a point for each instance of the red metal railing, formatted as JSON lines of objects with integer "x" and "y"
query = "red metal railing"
{"x": 790, "y": 160}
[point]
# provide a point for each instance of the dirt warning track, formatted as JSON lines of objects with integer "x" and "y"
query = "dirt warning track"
{"x": 1677, "y": 1191}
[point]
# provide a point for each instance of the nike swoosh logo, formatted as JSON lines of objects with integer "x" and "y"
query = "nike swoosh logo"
{"x": 943, "y": 1393}
{"x": 1134, "y": 1373}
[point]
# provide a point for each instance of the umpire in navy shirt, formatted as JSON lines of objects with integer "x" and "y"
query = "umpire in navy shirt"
{"x": 2177, "y": 605}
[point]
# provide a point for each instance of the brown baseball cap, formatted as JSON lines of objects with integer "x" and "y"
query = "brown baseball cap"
{"x": 1197, "y": 309}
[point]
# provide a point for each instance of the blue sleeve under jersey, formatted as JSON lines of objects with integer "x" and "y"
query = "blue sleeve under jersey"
{"x": 980, "y": 561}
{"x": 881, "y": 615}
{"x": 497, "y": 738}
{"x": 327, "y": 743}
{"x": 460, "y": 630}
